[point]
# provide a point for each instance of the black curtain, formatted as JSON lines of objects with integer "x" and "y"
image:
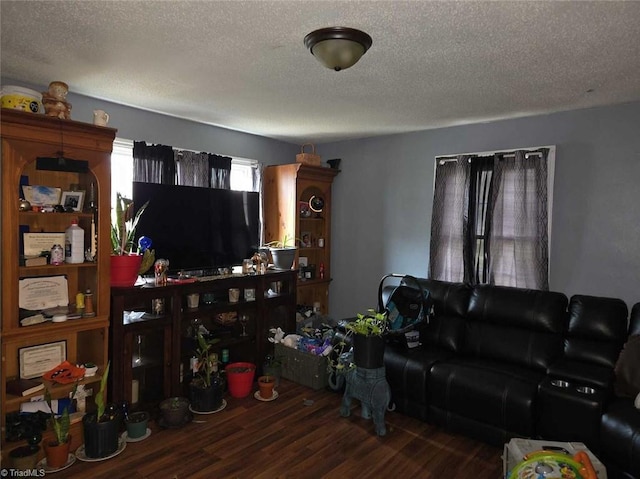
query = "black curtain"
{"x": 153, "y": 163}
{"x": 478, "y": 220}
{"x": 220, "y": 171}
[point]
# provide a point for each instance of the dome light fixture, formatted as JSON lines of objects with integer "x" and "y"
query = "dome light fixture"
{"x": 338, "y": 48}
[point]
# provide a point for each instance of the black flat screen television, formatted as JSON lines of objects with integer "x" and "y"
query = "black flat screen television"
{"x": 198, "y": 229}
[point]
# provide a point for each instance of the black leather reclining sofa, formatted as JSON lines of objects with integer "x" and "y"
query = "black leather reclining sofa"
{"x": 496, "y": 363}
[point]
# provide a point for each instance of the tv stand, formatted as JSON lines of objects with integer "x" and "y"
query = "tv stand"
{"x": 154, "y": 346}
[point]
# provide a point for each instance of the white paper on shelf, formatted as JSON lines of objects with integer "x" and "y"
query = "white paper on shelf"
{"x": 36, "y": 294}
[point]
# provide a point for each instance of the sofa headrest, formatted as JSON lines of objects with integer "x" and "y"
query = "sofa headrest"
{"x": 603, "y": 319}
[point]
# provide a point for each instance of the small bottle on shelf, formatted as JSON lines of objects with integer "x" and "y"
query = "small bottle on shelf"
{"x": 321, "y": 270}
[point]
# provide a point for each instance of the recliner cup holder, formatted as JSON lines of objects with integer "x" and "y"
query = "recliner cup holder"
{"x": 559, "y": 383}
{"x": 586, "y": 390}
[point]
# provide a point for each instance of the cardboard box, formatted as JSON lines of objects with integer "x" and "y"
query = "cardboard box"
{"x": 516, "y": 449}
{"x": 302, "y": 368}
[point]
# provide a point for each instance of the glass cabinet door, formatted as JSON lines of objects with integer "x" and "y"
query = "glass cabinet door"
{"x": 146, "y": 353}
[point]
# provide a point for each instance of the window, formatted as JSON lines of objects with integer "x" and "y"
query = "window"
{"x": 242, "y": 174}
{"x": 121, "y": 169}
{"x": 491, "y": 218}
{"x": 242, "y": 171}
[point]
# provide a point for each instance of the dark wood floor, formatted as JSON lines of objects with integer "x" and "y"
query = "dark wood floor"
{"x": 286, "y": 439}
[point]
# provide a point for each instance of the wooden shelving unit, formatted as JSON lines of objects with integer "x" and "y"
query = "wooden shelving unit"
{"x": 287, "y": 189}
{"x": 155, "y": 349}
{"x": 25, "y": 138}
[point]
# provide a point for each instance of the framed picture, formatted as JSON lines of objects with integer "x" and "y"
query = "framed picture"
{"x": 305, "y": 239}
{"x": 37, "y": 360}
{"x": 41, "y": 195}
{"x": 73, "y": 200}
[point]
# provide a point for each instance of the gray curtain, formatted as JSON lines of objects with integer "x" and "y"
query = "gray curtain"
{"x": 450, "y": 198}
{"x": 490, "y": 220}
{"x": 192, "y": 169}
{"x": 518, "y": 240}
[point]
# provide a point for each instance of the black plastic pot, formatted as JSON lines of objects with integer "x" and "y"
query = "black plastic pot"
{"x": 368, "y": 351}
{"x": 100, "y": 438}
{"x": 205, "y": 399}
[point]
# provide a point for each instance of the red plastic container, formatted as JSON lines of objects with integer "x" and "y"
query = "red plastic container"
{"x": 240, "y": 378}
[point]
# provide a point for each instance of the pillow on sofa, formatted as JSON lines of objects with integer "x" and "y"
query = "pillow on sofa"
{"x": 628, "y": 368}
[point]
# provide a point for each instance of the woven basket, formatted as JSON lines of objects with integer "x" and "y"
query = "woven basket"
{"x": 308, "y": 158}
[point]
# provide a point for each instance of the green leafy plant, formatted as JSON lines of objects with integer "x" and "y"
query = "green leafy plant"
{"x": 371, "y": 323}
{"x": 123, "y": 226}
{"x": 61, "y": 423}
{"x": 101, "y": 396}
{"x": 123, "y": 232}
{"x": 286, "y": 242}
{"x": 205, "y": 364}
{"x": 273, "y": 361}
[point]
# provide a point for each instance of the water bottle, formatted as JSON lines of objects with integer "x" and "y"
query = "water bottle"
{"x": 74, "y": 244}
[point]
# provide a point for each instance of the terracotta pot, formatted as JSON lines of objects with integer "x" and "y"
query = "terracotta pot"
{"x": 57, "y": 454}
{"x": 124, "y": 269}
{"x": 266, "y": 385}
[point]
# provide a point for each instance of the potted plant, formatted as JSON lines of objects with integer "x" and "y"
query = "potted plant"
{"x": 205, "y": 389}
{"x": 283, "y": 253}
{"x": 57, "y": 450}
{"x": 126, "y": 261}
{"x": 136, "y": 423}
{"x": 175, "y": 412}
{"x": 266, "y": 384}
{"x": 340, "y": 359}
{"x": 272, "y": 366}
{"x": 367, "y": 332}
{"x": 101, "y": 428}
{"x": 240, "y": 378}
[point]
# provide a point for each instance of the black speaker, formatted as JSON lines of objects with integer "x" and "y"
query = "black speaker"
{"x": 62, "y": 164}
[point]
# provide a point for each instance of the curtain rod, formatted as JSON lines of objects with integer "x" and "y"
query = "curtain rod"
{"x": 446, "y": 159}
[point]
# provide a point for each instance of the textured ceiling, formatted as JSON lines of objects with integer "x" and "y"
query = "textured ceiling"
{"x": 242, "y": 64}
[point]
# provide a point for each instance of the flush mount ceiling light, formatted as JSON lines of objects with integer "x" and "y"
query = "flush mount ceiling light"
{"x": 338, "y": 48}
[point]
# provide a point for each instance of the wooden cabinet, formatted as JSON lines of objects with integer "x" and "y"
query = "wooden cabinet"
{"x": 40, "y": 150}
{"x": 288, "y": 190}
{"x": 154, "y": 344}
